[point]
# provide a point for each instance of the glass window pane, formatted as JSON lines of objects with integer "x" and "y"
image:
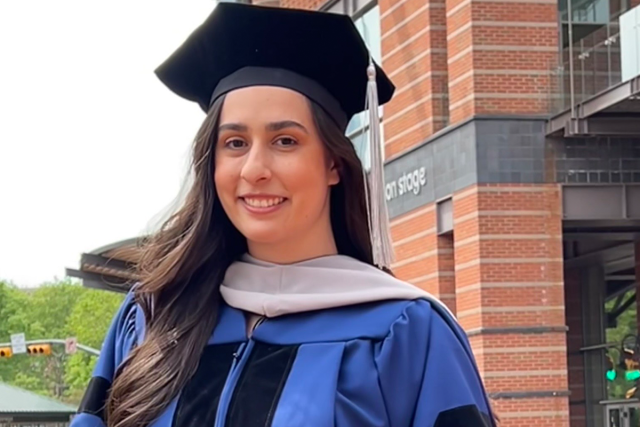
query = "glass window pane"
{"x": 369, "y": 27}
{"x": 615, "y": 420}
{"x": 338, "y": 7}
{"x": 356, "y": 123}
{"x": 586, "y": 11}
{"x": 360, "y": 142}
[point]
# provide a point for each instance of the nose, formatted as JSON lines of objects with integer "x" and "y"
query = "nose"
{"x": 256, "y": 167}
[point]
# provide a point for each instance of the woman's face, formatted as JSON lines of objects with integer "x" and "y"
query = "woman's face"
{"x": 272, "y": 174}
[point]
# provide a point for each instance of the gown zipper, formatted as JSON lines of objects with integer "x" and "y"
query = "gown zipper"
{"x": 239, "y": 360}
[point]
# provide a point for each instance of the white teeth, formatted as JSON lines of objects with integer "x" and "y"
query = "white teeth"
{"x": 264, "y": 203}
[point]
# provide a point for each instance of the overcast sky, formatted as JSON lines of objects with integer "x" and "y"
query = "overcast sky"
{"x": 92, "y": 145}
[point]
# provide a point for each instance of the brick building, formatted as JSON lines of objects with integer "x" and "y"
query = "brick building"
{"x": 512, "y": 168}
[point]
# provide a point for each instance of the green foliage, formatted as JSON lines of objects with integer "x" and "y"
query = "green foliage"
{"x": 54, "y": 310}
{"x": 99, "y": 308}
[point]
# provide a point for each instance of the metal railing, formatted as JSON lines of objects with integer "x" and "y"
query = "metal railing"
{"x": 586, "y": 67}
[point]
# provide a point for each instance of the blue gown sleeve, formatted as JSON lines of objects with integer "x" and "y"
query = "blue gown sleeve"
{"x": 428, "y": 374}
{"x": 120, "y": 339}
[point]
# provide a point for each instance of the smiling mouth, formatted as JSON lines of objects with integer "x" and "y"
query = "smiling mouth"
{"x": 262, "y": 202}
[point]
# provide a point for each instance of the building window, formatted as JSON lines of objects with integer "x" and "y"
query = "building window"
{"x": 335, "y": 6}
{"x": 589, "y": 20}
{"x": 353, "y": 8}
{"x": 359, "y": 6}
{"x": 369, "y": 27}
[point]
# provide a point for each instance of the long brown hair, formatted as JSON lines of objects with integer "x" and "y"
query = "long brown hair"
{"x": 184, "y": 264}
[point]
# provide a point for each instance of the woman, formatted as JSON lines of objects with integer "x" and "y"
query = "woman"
{"x": 259, "y": 303}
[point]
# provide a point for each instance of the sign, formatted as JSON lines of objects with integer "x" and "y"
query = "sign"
{"x": 18, "y": 344}
{"x": 409, "y": 183}
{"x": 71, "y": 345}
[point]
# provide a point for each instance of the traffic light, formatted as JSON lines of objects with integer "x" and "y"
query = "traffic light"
{"x": 5, "y": 352}
{"x": 611, "y": 368}
{"x": 40, "y": 349}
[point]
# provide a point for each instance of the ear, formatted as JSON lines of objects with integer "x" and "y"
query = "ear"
{"x": 334, "y": 173}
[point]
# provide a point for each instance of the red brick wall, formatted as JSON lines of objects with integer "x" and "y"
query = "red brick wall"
{"x": 415, "y": 57}
{"x": 500, "y": 53}
{"x": 505, "y": 270}
{"x": 422, "y": 257}
{"x": 508, "y": 273}
{"x": 452, "y": 59}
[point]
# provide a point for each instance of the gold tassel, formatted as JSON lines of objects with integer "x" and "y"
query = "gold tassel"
{"x": 378, "y": 215}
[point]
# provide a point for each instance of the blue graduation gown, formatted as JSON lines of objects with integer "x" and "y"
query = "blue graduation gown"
{"x": 387, "y": 364}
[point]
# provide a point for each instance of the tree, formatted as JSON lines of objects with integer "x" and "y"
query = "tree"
{"x": 50, "y": 307}
{"x": 47, "y": 311}
{"x": 54, "y": 310}
{"x": 89, "y": 322}
{"x": 13, "y": 319}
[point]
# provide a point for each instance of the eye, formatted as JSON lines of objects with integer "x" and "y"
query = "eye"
{"x": 235, "y": 144}
{"x": 286, "y": 142}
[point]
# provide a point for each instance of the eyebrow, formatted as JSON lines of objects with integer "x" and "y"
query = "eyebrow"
{"x": 276, "y": 126}
{"x": 235, "y": 127}
{"x": 271, "y": 127}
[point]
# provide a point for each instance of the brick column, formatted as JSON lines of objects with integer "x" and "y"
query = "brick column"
{"x": 414, "y": 55}
{"x": 422, "y": 257}
{"x": 575, "y": 340}
{"x": 510, "y": 298}
{"x": 500, "y": 53}
{"x": 444, "y": 287}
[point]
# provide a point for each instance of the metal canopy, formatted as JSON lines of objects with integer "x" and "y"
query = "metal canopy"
{"x": 612, "y": 112}
{"x": 616, "y": 203}
{"x": 110, "y": 267}
{"x": 625, "y": 126}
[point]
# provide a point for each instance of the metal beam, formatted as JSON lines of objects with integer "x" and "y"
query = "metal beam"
{"x": 102, "y": 261}
{"x": 597, "y": 103}
{"x": 618, "y": 205}
{"x": 624, "y": 236}
{"x": 603, "y": 126}
{"x": 620, "y": 264}
{"x": 610, "y": 257}
{"x": 622, "y": 289}
{"x": 99, "y": 281}
{"x": 620, "y": 278}
{"x": 621, "y": 308}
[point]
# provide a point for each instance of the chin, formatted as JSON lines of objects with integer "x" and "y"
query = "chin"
{"x": 261, "y": 234}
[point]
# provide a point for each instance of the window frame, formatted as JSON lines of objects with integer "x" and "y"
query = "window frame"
{"x": 353, "y": 8}
{"x": 363, "y": 129}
